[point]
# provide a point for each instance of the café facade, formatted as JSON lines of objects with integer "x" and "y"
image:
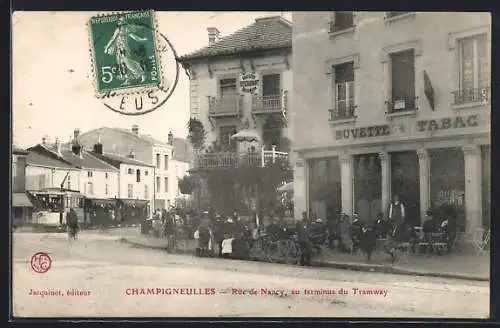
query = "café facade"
{"x": 363, "y": 131}
{"x": 426, "y": 162}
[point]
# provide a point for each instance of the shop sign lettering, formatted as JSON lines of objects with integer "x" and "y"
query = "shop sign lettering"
{"x": 249, "y": 83}
{"x": 367, "y": 132}
{"x": 448, "y": 123}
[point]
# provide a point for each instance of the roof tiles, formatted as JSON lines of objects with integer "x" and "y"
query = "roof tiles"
{"x": 114, "y": 159}
{"x": 264, "y": 34}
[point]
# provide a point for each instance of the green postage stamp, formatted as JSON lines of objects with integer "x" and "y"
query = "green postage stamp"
{"x": 124, "y": 53}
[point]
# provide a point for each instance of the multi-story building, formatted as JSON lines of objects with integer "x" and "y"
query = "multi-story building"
{"x": 21, "y": 205}
{"x": 136, "y": 179}
{"x": 170, "y": 159}
{"x": 241, "y": 81}
{"x": 392, "y": 103}
{"x": 71, "y": 168}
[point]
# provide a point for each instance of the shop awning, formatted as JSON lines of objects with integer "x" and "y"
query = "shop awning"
{"x": 20, "y": 199}
{"x": 133, "y": 202}
{"x": 100, "y": 201}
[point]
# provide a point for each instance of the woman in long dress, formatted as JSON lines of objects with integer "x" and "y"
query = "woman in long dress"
{"x": 119, "y": 46}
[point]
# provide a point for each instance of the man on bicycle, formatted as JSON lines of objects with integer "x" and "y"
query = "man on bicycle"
{"x": 72, "y": 222}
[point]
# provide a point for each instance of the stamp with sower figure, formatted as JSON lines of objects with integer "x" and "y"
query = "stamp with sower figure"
{"x": 128, "y": 69}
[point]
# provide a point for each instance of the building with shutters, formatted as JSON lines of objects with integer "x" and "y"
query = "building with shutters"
{"x": 70, "y": 167}
{"x": 392, "y": 103}
{"x": 171, "y": 159}
{"x": 242, "y": 82}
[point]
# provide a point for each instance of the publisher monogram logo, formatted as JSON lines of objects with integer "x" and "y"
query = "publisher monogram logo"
{"x": 41, "y": 262}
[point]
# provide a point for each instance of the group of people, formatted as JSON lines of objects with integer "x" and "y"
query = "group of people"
{"x": 395, "y": 230}
{"x": 166, "y": 225}
{"x": 233, "y": 237}
{"x": 229, "y": 235}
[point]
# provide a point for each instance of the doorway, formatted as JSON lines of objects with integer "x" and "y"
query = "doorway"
{"x": 405, "y": 183}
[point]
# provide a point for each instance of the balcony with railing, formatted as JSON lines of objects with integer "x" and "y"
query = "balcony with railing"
{"x": 402, "y": 106}
{"x": 225, "y": 160}
{"x": 343, "y": 112}
{"x": 397, "y": 15}
{"x": 471, "y": 96}
{"x": 228, "y": 106}
{"x": 270, "y": 104}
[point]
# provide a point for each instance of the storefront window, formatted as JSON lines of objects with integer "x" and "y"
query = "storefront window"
{"x": 367, "y": 186}
{"x": 405, "y": 182}
{"x": 486, "y": 172}
{"x": 324, "y": 188}
{"x": 448, "y": 181}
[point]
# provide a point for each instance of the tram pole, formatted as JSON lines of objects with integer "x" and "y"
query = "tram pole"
{"x": 61, "y": 208}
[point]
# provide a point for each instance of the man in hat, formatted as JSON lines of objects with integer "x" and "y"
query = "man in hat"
{"x": 304, "y": 242}
{"x": 396, "y": 211}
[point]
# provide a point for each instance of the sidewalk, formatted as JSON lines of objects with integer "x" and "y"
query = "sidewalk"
{"x": 455, "y": 265}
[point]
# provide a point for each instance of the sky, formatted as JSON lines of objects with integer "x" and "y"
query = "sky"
{"x": 52, "y": 90}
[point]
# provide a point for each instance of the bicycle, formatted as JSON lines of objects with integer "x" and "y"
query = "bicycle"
{"x": 292, "y": 250}
{"x": 272, "y": 249}
{"x": 72, "y": 233}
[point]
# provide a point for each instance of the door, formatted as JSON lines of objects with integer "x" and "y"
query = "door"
{"x": 271, "y": 88}
{"x": 406, "y": 183}
{"x": 403, "y": 80}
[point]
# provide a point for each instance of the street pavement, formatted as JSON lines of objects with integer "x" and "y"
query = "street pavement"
{"x": 110, "y": 277}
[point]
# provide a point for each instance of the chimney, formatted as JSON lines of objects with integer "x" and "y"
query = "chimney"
{"x": 44, "y": 140}
{"x": 98, "y": 147}
{"x": 213, "y": 35}
{"x": 170, "y": 138}
{"x": 76, "y": 134}
{"x": 131, "y": 154}
{"x": 76, "y": 149}
{"x": 135, "y": 129}
{"x": 58, "y": 147}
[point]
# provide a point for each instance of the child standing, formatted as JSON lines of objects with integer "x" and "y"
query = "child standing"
{"x": 227, "y": 246}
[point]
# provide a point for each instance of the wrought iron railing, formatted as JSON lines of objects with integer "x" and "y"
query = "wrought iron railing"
{"x": 468, "y": 96}
{"x": 222, "y": 160}
{"x": 402, "y": 104}
{"x": 270, "y": 104}
{"x": 226, "y": 106}
{"x": 336, "y": 27}
{"x": 343, "y": 112}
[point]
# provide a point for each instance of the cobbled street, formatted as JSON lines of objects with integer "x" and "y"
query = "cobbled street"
{"x": 101, "y": 265}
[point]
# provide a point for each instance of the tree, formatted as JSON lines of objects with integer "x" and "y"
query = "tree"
{"x": 272, "y": 133}
{"x": 197, "y": 133}
{"x": 236, "y": 188}
{"x": 186, "y": 185}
